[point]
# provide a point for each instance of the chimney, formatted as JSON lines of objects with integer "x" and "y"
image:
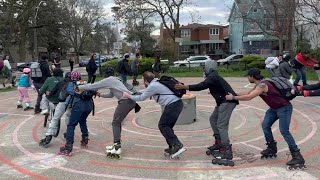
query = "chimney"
{"x": 171, "y": 26}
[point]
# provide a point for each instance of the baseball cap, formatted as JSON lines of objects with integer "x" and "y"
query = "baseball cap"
{"x": 254, "y": 72}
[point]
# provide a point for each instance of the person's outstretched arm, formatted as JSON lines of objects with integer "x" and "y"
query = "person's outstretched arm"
{"x": 150, "y": 91}
{"x": 105, "y": 83}
{"x": 256, "y": 92}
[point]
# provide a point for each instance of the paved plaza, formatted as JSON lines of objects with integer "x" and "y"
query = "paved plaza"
{"x": 22, "y": 158}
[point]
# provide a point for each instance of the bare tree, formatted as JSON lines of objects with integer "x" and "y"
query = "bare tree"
{"x": 139, "y": 26}
{"x": 80, "y": 20}
{"x": 167, "y": 10}
{"x": 274, "y": 18}
{"x": 309, "y": 11}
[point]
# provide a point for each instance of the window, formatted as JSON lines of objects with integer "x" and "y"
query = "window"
{"x": 185, "y": 48}
{"x": 185, "y": 32}
{"x": 214, "y": 31}
{"x": 255, "y": 10}
{"x": 213, "y": 46}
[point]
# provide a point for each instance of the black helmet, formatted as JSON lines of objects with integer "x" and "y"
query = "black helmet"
{"x": 67, "y": 77}
{"x": 57, "y": 72}
{"x": 109, "y": 72}
{"x": 286, "y": 57}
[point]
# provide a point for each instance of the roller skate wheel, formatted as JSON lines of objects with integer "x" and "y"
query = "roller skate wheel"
{"x": 231, "y": 163}
{"x": 166, "y": 154}
{"x": 214, "y": 161}
{"x": 304, "y": 167}
{"x": 289, "y": 168}
{"x": 208, "y": 152}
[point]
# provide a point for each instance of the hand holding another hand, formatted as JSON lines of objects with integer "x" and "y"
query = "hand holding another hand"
{"x": 229, "y": 97}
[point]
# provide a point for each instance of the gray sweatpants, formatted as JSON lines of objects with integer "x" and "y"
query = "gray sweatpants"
{"x": 219, "y": 121}
{"x": 58, "y": 113}
{"x": 121, "y": 112}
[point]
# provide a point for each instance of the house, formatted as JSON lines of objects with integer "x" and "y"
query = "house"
{"x": 247, "y": 36}
{"x": 200, "y": 39}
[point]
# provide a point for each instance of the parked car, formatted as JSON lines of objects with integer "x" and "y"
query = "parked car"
{"x": 192, "y": 61}
{"x": 235, "y": 58}
{"x": 21, "y": 66}
{"x": 83, "y": 62}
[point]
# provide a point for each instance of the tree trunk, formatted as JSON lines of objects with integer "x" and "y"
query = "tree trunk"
{"x": 22, "y": 45}
{"x": 280, "y": 45}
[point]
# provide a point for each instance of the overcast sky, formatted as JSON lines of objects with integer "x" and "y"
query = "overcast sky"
{"x": 207, "y": 12}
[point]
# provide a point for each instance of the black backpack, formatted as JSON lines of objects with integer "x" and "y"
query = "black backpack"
{"x": 170, "y": 82}
{"x": 120, "y": 67}
{"x": 284, "y": 87}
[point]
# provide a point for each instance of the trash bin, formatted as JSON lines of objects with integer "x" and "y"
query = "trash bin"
{"x": 189, "y": 113}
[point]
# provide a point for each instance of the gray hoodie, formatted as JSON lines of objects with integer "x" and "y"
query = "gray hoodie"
{"x": 284, "y": 70}
{"x": 114, "y": 84}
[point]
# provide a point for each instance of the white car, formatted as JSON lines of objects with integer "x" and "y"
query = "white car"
{"x": 235, "y": 58}
{"x": 192, "y": 61}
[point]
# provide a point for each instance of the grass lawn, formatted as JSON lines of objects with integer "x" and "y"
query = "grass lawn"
{"x": 8, "y": 89}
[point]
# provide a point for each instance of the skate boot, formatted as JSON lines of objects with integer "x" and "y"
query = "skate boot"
{"x": 66, "y": 149}
{"x": 167, "y": 151}
{"x": 114, "y": 151}
{"x": 19, "y": 105}
{"x": 176, "y": 150}
{"x": 271, "y": 151}
{"x": 28, "y": 106}
{"x": 45, "y": 142}
{"x": 297, "y": 161}
{"x": 214, "y": 148}
{"x": 84, "y": 142}
{"x": 224, "y": 156}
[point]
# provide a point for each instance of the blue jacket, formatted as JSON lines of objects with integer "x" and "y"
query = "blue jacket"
{"x": 24, "y": 81}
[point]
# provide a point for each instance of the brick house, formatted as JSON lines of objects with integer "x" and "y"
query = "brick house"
{"x": 200, "y": 39}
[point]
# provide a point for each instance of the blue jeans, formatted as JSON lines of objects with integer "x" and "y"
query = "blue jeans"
{"x": 284, "y": 116}
{"x": 124, "y": 77}
{"x": 79, "y": 113}
{"x": 270, "y": 71}
{"x": 301, "y": 73}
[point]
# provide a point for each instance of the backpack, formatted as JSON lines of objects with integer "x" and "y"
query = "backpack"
{"x": 120, "y": 67}
{"x": 1, "y": 65}
{"x": 36, "y": 72}
{"x": 284, "y": 87}
{"x": 170, "y": 82}
{"x": 58, "y": 88}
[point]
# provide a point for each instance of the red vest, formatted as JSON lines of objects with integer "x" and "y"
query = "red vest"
{"x": 273, "y": 97}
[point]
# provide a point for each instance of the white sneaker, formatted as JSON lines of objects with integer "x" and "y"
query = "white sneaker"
{"x": 45, "y": 111}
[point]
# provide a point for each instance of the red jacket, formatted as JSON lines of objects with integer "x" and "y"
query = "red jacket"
{"x": 303, "y": 60}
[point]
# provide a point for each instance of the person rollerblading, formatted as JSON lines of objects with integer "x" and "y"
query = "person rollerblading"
{"x": 84, "y": 142}
{"x": 271, "y": 151}
{"x": 280, "y": 108}
{"x": 214, "y": 148}
{"x": 114, "y": 151}
{"x": 297, "y": 161}
{"x": 45, "y": 142}
{"x": 66, "y": 150}
{"x": 224, "y": 156}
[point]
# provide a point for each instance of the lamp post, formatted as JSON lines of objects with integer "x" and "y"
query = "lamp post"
{"x": 115, "y": 10}
{"x": 35, "y": 40}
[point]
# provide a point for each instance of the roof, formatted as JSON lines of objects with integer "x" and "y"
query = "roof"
{"x": 242, "y": 5}
{"x": 196, "y": 25}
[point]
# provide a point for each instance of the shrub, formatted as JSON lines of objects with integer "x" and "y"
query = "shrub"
{"x": 251, "y": 58}
{"x": 257, "y": 64}
{"x": 184, "y": 69}
{"x": 145, "y": 64}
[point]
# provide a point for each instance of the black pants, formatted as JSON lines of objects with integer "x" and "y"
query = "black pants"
{"x": 312, "y": 87}
{"x": 167, "y": 121}
{"x": 91, "y": 78}
{"x": 71, "y": 66}
{"x": 39, "y": 98}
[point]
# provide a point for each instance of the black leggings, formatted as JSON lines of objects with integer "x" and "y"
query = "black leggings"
{"x": 314, "y": 89}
